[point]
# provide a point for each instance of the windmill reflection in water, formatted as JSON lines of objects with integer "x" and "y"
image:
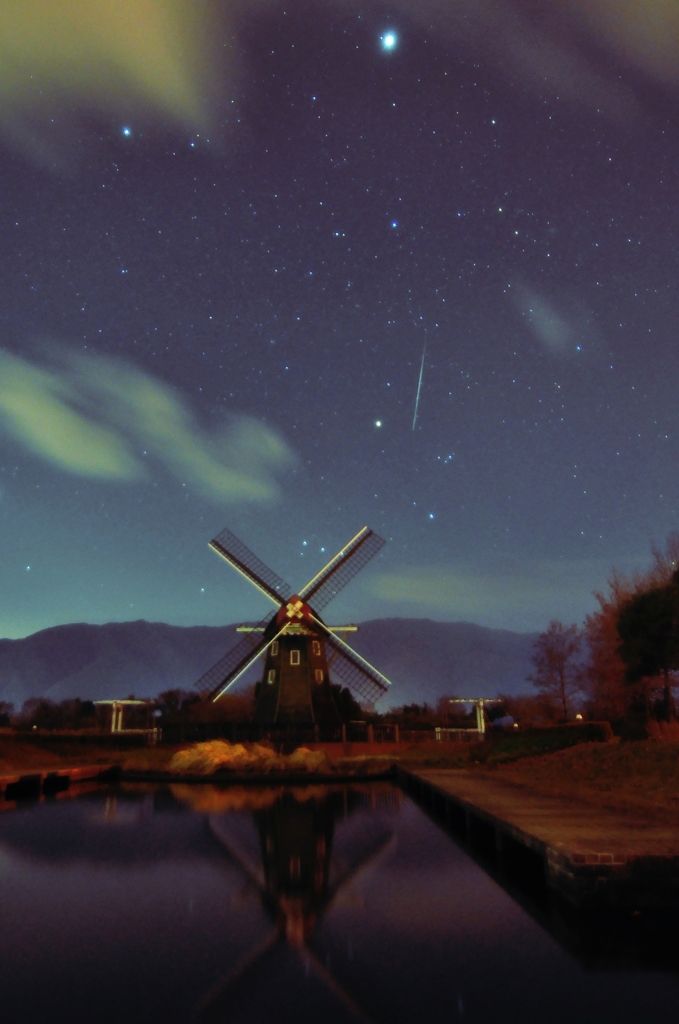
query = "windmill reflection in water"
{"x": 298, "y": 880}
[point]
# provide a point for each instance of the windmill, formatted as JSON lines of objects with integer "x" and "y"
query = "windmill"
{"x": 298, "y": 881}
{"x": 299, "y": 649}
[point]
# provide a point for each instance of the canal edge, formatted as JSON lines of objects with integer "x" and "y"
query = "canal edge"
{"x": 586, "y": 881}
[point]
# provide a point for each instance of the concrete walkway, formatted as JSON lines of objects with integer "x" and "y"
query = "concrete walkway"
{"x": 578, "y": 829}
{"x": 588, "y": 855}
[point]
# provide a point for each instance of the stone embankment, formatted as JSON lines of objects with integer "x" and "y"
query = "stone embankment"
{"x": 592, "y": 857}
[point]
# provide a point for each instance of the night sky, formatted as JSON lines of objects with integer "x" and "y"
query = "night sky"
{"x": 236, "y": 243}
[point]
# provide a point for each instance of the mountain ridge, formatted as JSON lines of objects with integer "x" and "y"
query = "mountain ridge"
{"x": 424, "y": 659}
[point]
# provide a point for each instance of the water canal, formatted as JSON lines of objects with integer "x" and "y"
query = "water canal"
{"x": 333, "y": 904}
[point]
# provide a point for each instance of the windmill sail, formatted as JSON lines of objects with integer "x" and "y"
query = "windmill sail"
{"x": 280, "y": 984}
{"x": 341, "y": 569}
{"x": 234, "y": 661}
{"x": 247, "y": 564}
{"x": 358, "y": 674}
{"x": 282, "y": 980}
{"x": 295, "y": 683}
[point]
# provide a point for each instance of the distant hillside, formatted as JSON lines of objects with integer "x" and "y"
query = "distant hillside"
{"x": 424, "y": 659}
{"x": 96, "y": 662}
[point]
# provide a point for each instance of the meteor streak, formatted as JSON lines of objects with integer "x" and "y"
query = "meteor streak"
{"x": 419, "y": 383}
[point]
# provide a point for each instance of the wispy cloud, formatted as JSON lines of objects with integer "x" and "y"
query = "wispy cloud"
{"x": 540, "y": 45}
{"x": 118, "y": 57}
{"x": 561, "y": 326}
{"x": 549, "y": 326}
{"x": 173, "y": 58}
{"x": 102, "y": 418}
{"x": 511, "y": 595}
{"x": 560, "y": 44}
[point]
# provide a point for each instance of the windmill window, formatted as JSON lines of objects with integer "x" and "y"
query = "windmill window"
{"x": 271, "y": 678}
{"x": 319, "y": 675}
{"x": 274, "y": 648}
{"x": 294, "y": 657}
{"x": 316, "y": 646}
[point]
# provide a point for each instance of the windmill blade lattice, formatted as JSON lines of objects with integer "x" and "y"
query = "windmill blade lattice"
{"x": 342, "y": 569}
{"x": 358, "y": 674}
{"x": 234, "y": 660}
{"x": 241, "y": 558}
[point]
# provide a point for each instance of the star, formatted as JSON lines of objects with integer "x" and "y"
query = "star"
{"x": 378, "y": 423}
{"x": 127, "y": 132}
{"x": 389, "y": 40}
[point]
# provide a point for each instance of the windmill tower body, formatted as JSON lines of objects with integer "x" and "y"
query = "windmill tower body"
{"x": 295, "y": 686}
{"x": 299, "y": 649}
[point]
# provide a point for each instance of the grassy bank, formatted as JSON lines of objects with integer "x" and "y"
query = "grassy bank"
{"x": 25, "y": 756}
{"x": 640, "y": 777}
{"x": 44, "y": 750}
{"x": 507, "y": 748}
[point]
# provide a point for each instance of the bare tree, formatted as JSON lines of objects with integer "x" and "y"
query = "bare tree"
{"x": 555, "y": 658}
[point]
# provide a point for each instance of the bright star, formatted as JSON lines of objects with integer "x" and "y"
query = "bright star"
{"x": 389, "y": 41}
{"x": 378, "y": 423}
{"x": 127, "y": 132}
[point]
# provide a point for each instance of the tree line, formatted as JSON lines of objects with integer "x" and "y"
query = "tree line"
{"x": 623, "y": 662}
{"x": 171, "y": 707}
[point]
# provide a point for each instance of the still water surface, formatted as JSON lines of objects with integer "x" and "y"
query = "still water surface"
{"x": 343, "y": 904}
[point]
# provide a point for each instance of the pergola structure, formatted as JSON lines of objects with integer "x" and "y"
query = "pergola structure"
{"x": 118, "y": 718}
{"x": 478, "y": 703}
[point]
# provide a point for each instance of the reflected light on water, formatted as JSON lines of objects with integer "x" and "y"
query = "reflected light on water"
{"x": 341, "y": 903}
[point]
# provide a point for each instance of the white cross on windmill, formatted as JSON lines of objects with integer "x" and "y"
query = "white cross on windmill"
{"x": 294, "y": 610}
